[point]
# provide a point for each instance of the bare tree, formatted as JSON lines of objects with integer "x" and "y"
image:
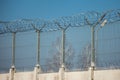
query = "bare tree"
{"x": 53, "y": 61}
{"x": 84, "y": 58}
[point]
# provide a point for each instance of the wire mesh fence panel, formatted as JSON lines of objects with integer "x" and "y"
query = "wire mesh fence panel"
{"x": 6, "y": 52}
{"x": 108, "y": 46}
{"x": 79, "y": 40}
{"x": 25, "y": 50}
{"x": 50, "y": 51}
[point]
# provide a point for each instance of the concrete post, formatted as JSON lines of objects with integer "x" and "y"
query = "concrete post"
{"x": 11, "y": 73}
{"x": 62, "y": 73}
{"x": 91, "y": 73}
{"x": 36, "y": 72}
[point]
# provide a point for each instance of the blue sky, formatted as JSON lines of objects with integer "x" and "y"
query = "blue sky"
{"x": 18, "y": 9}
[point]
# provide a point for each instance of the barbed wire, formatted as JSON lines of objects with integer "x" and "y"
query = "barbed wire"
{"x": 81, "y": 19}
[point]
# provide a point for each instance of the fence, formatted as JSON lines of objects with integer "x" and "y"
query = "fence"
{"x": 76, "y": 47}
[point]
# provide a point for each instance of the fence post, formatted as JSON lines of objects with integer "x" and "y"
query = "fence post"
{"x": 12, "y": 69}
{"x": 62, "y": 68}
{"x": 11, "y": 73}
{"x": 61, "y": 73}
{"x": 37, "y": 68}
{"x": 36, "y": 71}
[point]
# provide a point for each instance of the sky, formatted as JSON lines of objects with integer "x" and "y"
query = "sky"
{"x": 49, "y": 9}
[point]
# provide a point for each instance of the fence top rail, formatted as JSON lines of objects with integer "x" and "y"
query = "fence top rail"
{"x": 78, "y": 20}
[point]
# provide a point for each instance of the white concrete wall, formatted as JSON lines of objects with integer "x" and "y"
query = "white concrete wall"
{"x": 83, "y": 75}
{"x": 4, "y": 76}
{"x": 49, "y": 76}
{"x": 23, "y": 76}
{"x": 77, "y": 75}
{"x": 107, "y": 75}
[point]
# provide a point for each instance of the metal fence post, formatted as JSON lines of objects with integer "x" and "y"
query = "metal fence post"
{"x": 12, "y": 70}
{"x": 37, "y": 69}
{"x": 13, "y": 49}
{"x": 63, "y": 48}
{"x": 92, "y": 52}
